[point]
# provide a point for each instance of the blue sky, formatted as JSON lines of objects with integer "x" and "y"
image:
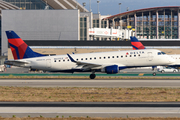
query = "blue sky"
{"x": 111, "y": 7}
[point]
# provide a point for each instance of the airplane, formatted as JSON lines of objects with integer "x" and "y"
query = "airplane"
{"x": 137, "y": 45}
{"x": 105, "y": 62}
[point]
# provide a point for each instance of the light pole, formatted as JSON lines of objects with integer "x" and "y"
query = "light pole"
{"x": 76, "y": 4}
{"x": 127, "y": 8}
{"x": 84, "y": 4}
{"x": 98, "y": 5}
{"x": 89, "y": 5}
{"x": 119, "y": 7}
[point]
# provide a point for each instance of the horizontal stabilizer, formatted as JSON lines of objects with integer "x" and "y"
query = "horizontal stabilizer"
{"x": 15, "y": 63}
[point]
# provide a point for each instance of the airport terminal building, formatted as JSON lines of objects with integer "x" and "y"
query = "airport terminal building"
{"x": 47, "y": 25}
{"x": 150, "y": 23}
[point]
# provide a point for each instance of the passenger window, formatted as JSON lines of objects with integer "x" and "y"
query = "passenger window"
{"x": 63, "y": 60}
{"x": 99, "y": 57}
{"x": 134, "y": 55}
{"x": 90, "y": 58}
{"x": 142, "y": 51}
{"x": 117, "y": 56}
{"x": 139, "y": 55}
{"x": 121, "y": 56}
{"x": 59, "y": 60}
{"x": 86, "y": 58}
{"x": 77, "y": 59}
{"x": 126, "y": 56}
{"x": 108, "y": 57}
{"x": 104, "y": 57}
{"x": 68, "y": 60}
{"x": 55, "y": 61}
{"x": 112, "y": 56}
{"x": 94, "y": 57}
{"x": 130, "y": 55}
{"x": 81, "y": 58}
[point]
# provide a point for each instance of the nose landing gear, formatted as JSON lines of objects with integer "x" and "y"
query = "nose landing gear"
{"x": 154, "y": 74}
{"x": 154, "y": 68}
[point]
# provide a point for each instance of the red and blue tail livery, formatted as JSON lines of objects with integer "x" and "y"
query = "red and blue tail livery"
{"x": 136, "y": 44}
{"x": 19, "y": 48}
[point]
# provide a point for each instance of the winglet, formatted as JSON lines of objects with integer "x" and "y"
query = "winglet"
{"x": 136, "y": 44}
{"x": 72, "y": 60}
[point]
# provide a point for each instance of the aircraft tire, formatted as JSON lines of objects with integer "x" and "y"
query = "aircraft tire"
{"x": 92, "y": 76}
{"x": 154, "y": 74}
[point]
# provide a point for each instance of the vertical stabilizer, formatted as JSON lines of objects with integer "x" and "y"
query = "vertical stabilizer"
{"x": 136, "y": 44}
{"x": 19, "y": 48}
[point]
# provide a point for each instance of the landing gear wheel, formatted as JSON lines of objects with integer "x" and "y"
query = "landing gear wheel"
{"x": 92, "y": 76}
{"x": 174, "y": 71}
{"x": 154, "y": 74}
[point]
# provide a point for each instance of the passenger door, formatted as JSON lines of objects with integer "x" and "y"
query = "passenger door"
{"x": 48, "y": 63}
{"x": 150, "y": 56}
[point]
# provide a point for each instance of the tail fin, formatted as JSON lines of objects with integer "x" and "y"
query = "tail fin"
{"x": 19, "y": 48}
{"x": 136, "y": 44}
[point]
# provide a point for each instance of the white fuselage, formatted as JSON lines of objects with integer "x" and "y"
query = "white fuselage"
{"x": 131, "y": 58}
{"x": 176, "y": 63}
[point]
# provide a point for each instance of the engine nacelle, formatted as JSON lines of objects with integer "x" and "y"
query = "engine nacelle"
{"x": 111, "y": 69}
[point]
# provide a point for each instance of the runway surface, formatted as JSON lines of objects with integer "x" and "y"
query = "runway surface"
{"x": 90, "y": 83}
{"x": 90, "y": 104}
{"x": 104, "y": 109}
{"x": 20, "y": 109}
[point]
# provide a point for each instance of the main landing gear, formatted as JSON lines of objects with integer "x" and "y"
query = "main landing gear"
{"x": 92, "y": 76}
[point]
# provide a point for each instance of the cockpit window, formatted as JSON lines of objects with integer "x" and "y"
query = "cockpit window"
{"x": 163, "y": 53}
{"x": 159, "y": 53}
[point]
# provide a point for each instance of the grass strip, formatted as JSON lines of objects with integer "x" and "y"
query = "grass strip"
{"x": 87, "y": 77}
{"x": 75, "y": 94}
{"x": 81, "y": 118}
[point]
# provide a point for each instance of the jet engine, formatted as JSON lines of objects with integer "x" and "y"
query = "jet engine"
{"x": 111, "y": 69}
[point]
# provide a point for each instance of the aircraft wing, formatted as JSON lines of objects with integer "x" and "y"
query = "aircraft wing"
{"x": 85, "y": 65}
{"x": 15, "y": 62}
